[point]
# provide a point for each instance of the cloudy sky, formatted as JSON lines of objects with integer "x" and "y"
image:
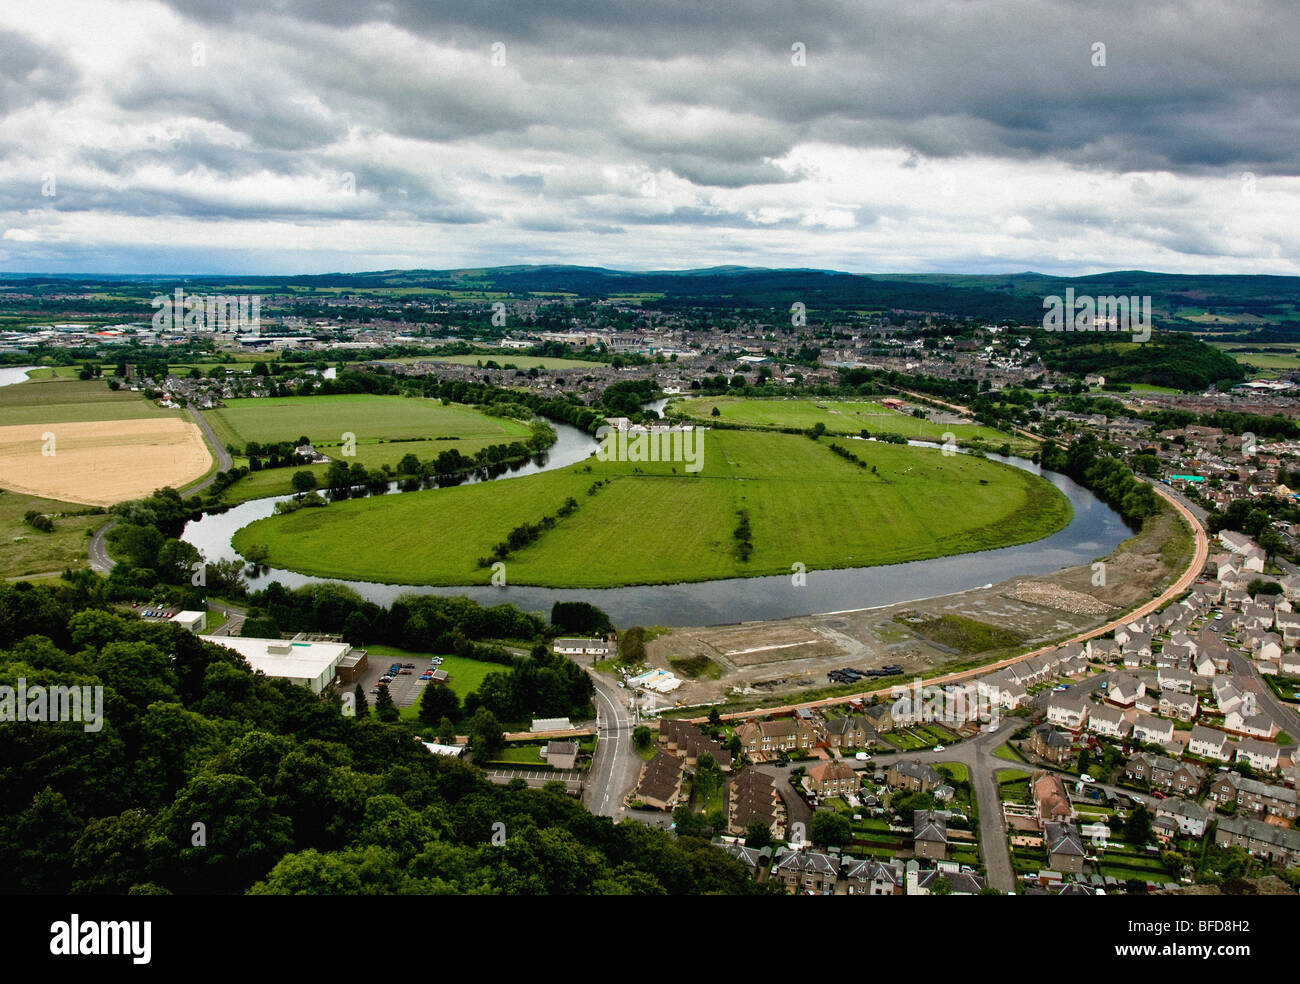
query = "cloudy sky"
{"x": 288, "y": 136}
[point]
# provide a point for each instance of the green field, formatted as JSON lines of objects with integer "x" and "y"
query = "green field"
{"x": 463, "y": 675}
{"x": 26, "y": 551}
{"x": 655, "y": 523}
{"x": 61, "y": 400}
{"x": 839, "y": 416}
{"x": 386, "y": 427}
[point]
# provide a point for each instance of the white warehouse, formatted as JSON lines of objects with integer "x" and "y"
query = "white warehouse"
{"x": 309, "y": 664}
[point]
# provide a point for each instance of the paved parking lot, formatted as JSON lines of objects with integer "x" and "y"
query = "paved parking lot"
{"x": 571, "y": 778}
{"x": 405, "y": 690}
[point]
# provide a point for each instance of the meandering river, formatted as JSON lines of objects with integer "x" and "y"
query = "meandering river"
{"x": 1094, "y": 531}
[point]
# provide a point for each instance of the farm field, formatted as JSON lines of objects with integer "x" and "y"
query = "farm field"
{"x": 78, "y": 441}
{"x": 386, "y": 427}
{"x": 839, "y": 416}
{"x": 58, "y": 400}
{"x": 655, "y": 523}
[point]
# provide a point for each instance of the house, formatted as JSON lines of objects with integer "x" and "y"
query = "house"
{"x": 1048, "y": 743}
{"x": 562, "y": 754}
{"x": 807, "y": 872}
{"x": 1050, "y": 797}
{"x": 925, "y": 881}
{"x": 849, "y": 731}
{"x": 832, "y": 779}
{"x": 753, "y": 797}
{"x": 1258, "y": 799}
{"x": 929, "y": 834}
{"x": 871, "y": 877}
{"x": 1124, "y": 689}
{"x": 1152, "y": 730}
{"x": 1266, "y": 840}
{"x": 1002, "y": 689}
{"x": 600, "y": 648}
{"x": 1067, "y": 712}
{"x": 879, "y": 718}
{"x": 1190, "y": 817}
{"x": 1226, "y": 696}
{"x": 1289, "y": 664}
{"x": 1261, "y": 755}
{"x": 752, "y": 859}
{"x": 1162, "y": 772}
{"x": 1175, "y": 681}
{"x": 1249, "y": 725}
{"x": 1210, "y": 744}
{"x": 771, "y": 737}
{"x": 1180, "y": 706}
{"x": 660, "y": 785}
{"x": 1108, "y": 721}
{"x": 913, "y": 776}
{"x": 687, "y": 741}
{"x": 1065, "y": 851}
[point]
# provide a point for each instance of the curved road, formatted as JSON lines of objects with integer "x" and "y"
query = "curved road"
{"x": 1189, "y": 576}
{"x": 100, "y": 561}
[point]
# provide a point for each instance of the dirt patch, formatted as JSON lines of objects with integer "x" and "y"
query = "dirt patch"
{"x": 101, "y": 462}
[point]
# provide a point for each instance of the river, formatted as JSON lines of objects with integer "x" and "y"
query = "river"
{"x": 1094, "y": 531}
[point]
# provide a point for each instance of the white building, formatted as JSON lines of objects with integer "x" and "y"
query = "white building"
{"x": 309, "y": 664}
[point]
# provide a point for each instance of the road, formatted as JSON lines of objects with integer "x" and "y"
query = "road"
{"x": 100, "y": 561}
{"x": 616, "y": 765}
{"x": 1189, "y": 576}
{"x": 1286, "y": 717}
{"x": 224, "y": 461}
{"x": 977, "y": 755}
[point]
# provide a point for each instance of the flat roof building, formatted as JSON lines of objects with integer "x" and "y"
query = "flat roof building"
{"x": 309, "y": 664}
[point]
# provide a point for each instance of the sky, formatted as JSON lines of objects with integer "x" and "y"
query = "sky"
{"x": 287, "y": 136}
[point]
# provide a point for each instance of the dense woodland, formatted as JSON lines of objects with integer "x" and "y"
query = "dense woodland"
{"x": 207, "y": 778}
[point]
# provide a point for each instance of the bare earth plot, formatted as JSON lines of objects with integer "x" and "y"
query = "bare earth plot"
{"x": 102, "y": 462}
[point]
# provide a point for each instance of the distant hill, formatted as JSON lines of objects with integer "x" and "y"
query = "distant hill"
{"x": 1231, "y": 308}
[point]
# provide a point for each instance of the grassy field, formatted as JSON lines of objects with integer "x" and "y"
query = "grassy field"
{"x": 386, "y": 427}
{"x": 25, "y": 551}
{"x": 839, "y": 416}
{"x": 61, "y": 400}
{"x": 463, "y": 675}
{"x": 654, "y": 523}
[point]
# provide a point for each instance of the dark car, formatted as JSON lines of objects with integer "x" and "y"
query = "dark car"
{"x": 404, "y": 672}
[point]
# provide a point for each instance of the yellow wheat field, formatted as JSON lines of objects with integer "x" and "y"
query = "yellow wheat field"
{"x": 99, "y": 463}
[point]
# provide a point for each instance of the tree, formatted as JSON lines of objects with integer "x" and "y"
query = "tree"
{"x": 642, "y": 737}
{"x": 830, "y": 829}
{"x": 446, "y": 731}
{"x": 485, "y": 735}
{"x": 303, "y": 482}
{"x": 716, "y": 412}
{"x": 757, "y": 835}
{"x": 715, "y": 719}
{"x": 438, "y": 702}
{"x": 384, "y": 706}
{"x": 360, "y": 703}
{"x": 1137, "y": 829}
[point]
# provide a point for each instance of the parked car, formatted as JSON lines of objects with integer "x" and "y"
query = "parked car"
{"x": 404, "y": 672}
{"x": 408, "y": 666}
{"x": 1086, "y": 778}
{"x": 862, "y": 757}
{"x": 938, "y": 748}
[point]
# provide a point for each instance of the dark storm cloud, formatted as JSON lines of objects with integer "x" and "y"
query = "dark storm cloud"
{"x": 1185, "y": 85}
{"x": 31, "y": 73}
